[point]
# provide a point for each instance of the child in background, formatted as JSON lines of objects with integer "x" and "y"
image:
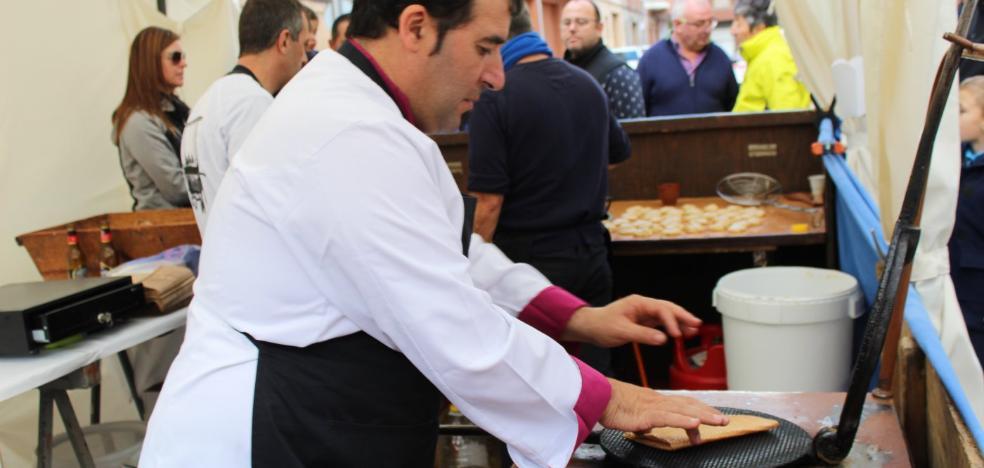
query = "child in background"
{"x": 967, "y": 242}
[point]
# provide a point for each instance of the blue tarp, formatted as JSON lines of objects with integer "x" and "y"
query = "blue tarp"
{"x": 857, "y": 218}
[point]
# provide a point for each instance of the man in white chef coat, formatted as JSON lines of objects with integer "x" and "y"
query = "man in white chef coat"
{"x": 272, "y": 38}
{"x": 341, "y": 293}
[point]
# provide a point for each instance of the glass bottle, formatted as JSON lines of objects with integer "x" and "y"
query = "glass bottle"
{"x": 107, "y": 254}
{"x": 76, "y": 263}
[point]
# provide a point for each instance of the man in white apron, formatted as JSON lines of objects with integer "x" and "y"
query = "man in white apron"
{"x": 340, "y": 291}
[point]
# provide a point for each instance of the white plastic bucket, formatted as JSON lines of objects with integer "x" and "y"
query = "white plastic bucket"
{"x": 788, "y": 328}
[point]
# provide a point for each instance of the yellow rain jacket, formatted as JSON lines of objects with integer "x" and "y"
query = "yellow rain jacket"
{"x": 770, "y": 80}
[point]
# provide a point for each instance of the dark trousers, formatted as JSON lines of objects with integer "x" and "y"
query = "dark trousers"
{"x": 346, "y": 402}
{"x": 576, "y": 260}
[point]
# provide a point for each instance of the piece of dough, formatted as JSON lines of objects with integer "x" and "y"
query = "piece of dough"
{"x": 672, "y": 438}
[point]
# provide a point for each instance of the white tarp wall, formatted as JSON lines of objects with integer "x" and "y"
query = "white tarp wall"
{"x": 65, "y": 71}
{"x": 901, "y": 46}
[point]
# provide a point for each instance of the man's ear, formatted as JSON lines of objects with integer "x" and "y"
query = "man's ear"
{"x": 415, "y": 28}
{"x": 283, "y": 40}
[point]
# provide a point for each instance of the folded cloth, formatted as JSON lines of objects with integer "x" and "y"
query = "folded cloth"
{"x": 168, "y": 288}
{"x": 672, "y": 438}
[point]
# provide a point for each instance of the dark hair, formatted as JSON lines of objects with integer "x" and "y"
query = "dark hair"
{"x": 370, "y": 18}
{"x": 756, "y": 12}
{"x": 309, "y": 13}
{"x": 334, "y": 26}
{"x": 145, "y": 85}
{"x": 261, "y": 22}
{"x": 520, "y": 22}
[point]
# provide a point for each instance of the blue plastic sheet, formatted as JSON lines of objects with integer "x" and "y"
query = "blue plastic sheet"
{"x": 857, "y": 219}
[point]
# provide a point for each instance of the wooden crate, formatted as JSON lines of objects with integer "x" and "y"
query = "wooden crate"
{"x": 135, "y": 235}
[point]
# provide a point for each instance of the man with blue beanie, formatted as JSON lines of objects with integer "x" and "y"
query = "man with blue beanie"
{"x": 539, "y": 152}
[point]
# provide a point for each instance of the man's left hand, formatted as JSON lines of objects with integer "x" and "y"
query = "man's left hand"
{"x": 630, "y": 319}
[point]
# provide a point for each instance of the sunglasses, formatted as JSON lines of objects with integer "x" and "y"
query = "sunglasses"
{"x": 177, "y": 56}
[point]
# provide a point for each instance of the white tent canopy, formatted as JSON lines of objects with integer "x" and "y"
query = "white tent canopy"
{"x": 900, "y": 47}
{"x": 66, "y": 65}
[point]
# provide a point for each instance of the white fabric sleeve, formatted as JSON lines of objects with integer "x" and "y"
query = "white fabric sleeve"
{"x": 511, "y": 285}
{"x": 371, "y": 220}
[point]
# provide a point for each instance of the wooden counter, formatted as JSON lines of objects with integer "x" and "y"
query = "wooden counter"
{"x": 775, "y": 231}
{"x": 879, "y": 442}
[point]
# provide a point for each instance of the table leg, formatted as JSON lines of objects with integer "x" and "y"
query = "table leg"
{"x": 72, "y": 428}
{"x": 128, "y": 373}
{"x": 45, "y": 414}
{"x": 95, "y": 397}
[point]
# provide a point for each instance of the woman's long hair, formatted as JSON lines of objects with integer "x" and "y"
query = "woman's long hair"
{"x": 145, "y": 85}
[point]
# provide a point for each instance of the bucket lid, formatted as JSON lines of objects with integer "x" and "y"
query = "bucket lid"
{"x": 788, "y": 295}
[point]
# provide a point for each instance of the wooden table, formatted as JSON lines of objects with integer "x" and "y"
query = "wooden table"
{"x": 879, "y": 442}
{"x": 775, "y": 231}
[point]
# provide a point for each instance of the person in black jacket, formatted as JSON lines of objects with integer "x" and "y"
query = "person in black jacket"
{"x": 580, "y": 28}
{"x": 967, "y": 241}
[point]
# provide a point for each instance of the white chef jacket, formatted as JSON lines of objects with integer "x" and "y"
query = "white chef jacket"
{"x": 216, "y": 129}
{"x": 337, "y": 215}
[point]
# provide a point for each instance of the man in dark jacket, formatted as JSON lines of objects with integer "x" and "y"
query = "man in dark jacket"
{"x": 580, "y": 28}
{"x": 540, "y": 178}
{"x": 687, "y": 74}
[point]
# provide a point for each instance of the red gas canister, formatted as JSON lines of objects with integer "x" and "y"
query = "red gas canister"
{"x": 688, "y": 373}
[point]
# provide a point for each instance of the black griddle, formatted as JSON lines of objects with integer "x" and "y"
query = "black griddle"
{"x": 785, "y": 445}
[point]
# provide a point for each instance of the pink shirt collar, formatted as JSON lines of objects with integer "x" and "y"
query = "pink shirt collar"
{"x": 401, "y": 99}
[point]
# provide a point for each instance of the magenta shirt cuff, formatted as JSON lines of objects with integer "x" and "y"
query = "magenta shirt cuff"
{"x": 550, "y": 311}
{"x": 596, "y": 391}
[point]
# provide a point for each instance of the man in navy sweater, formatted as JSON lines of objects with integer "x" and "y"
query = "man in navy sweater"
{"x": 686, "y": 74}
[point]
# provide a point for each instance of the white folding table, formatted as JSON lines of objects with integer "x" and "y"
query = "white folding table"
{"x": 54, "y": 371}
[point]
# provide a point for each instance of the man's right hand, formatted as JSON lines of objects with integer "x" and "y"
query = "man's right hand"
{"x": 637, "y": 409}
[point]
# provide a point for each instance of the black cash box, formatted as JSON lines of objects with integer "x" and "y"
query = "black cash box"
{"x": 35, "y": 314}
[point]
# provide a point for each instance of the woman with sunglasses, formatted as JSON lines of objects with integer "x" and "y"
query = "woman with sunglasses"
{"x": 147, "y": 125}
{"x": 147, "y": 128}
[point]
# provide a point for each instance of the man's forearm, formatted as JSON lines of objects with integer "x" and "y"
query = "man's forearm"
{"x": 487, "y": 214}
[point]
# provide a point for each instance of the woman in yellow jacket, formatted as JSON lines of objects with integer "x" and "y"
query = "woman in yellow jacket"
{"x": 770, "y": 80}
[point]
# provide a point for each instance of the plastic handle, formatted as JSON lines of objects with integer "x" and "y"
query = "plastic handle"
{"x": 855, "y": 306}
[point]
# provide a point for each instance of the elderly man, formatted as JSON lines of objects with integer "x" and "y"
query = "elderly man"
{"x": 340, "y": 293}
{"x": 686, "y": 73}
{"x": 580, "y": 28}
{"x": 272, "y": 37}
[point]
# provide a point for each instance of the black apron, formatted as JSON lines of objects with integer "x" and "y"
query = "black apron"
{"x": 346, "y": 402}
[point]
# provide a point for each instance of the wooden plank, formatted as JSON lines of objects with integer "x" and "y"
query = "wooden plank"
{"x": 698, "y": 151}
{"x": 694, "y": 150}
{"x": 950, "y": 444}
{"x": 909, "y": 390}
